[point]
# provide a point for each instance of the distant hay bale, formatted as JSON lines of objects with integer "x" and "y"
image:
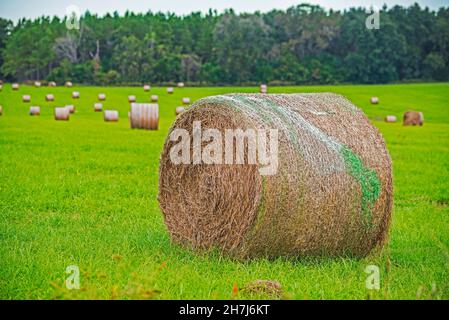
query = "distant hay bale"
{"x": 102, "y": 97}
{"x": 62, "y": 114}
{"x": 52, "y": 84}
{"x": 391, "y": 119}
{"x": 98, "y": 107}
{"x": 181, "y": 85}
{"x": 110, "y": 115}
{"x": 71, "y": 108}
{"x": 69, "y": 84}
{"x": 35, "y": 111}
{"x": 1, "y": 110}
{"x": 154, "y": 98}
{"x": 146, "y": 87}
{"x": 75, "y": 95}
{"x": 37, "y": 84}
{"x": 180, "y": 110}
{"x": 186, "y": 100}
{"x": 131, "y": 98}
{"x": 49, "y": 97}
{"x": 15, "y": 86}
{"x": 170, "y": 90}
{"x": 263, "y": 88}
{"x": 413, "y": 118}
{"x": 1, "y": 87}
{"x": 374, "y": 100}
{"x": 26, "y": 98}
{"x": 330, "y": 193}
{"x": 144, "y": 116}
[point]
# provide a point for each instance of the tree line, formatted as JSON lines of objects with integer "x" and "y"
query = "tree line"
{"x": 301, "y": 45}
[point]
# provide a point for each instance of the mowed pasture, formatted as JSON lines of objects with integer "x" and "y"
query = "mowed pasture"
{"x": 84, "y": 193}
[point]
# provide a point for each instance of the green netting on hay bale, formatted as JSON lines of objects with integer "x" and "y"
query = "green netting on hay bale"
{"x": 331, "y": 194}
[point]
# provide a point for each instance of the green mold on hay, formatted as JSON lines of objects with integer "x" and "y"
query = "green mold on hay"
{"x": 369, "y": 183}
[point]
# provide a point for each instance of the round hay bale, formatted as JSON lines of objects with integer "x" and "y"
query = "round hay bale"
{"x": 110, "y": 115}
{"x": 1, "y": 87}
{"x": 131, "y": 99}
{"x": 98, "y": 107}
{"x": 49, "y": 97}
{"x": 181, "y": 85}
{"x": 71, "y": 108}
{"x": 146, "y": 88}
{"x": 26, "y": 98}
{"x": 35, "y": 111}
{"x": 326, "y": 188}
{"x": 170, "y": 90}
{"x": 374, "y": 100}
{"x": 144, "y": 116}
{"x": 391, "y": 119}
{"x": 52, "y": 84}
{"x": 186, "y": 101}
{"x": 413, "y": 118}
{"x": 102, "y": 97}
{"x": 37, "y": 84}
{"x": 75, "y": 95}
{"x": 69, "y": 84}
{"x": 154, "y": 98}
{"x": 1, "y": 110}
{"x": 263, "y": 88}
{"x": 15, "y": 86}
{"x": 62, "y": 114}
{"x": 180, "y": 110}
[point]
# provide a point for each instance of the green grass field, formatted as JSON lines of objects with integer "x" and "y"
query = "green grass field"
{"x": 84, "y": 193}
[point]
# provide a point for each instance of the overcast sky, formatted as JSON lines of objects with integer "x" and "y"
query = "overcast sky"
{"x": 15, "y": 9}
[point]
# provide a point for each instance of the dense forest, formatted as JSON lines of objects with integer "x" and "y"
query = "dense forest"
{"x": 303, "y": 44}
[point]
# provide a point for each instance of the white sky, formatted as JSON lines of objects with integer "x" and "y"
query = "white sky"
{"x": 15, "y": 9}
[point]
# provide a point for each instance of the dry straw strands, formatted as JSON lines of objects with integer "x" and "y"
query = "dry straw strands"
{"x": 391, "y": 119}
{"x": 69, "y": 84}
{"x": 154, "y": 98}
{"x": 170, "y": 90}
{"x": 35, "y": 111}
{"x": 71, "y": 108}
{"x": 26, "y": 98}
{"x": 131, "y": 99}
{"x": 15, "y": 86}
{"x": 49, "y": 97}
{"x": 374, "y": 100}
{"x": 98, "y": 107}
{"x": 331, "y": 195}
{"x": 75, "y": 95}
{"x": 110, "y": 115}
{"x": 181, "y": 85}
{"x": 62, "y": 114}
{"x": 102, "y": 97}
{"x": 144, "y": 116}
{"x": 186, "y": 100}
{"x": 180, "y": 110}
{"x": 413, "y": 118}
{"x": 146, "y": 88}
{"x": 263, "y": 88}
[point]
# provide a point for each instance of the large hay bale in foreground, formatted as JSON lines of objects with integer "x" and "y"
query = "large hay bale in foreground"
{"x": 35, "y": 111}
{"x": 26, "y": 98}
{"x": 110, "y": 115}
{"x": 144, "y": 116}
{"x": 49, "y": 97}
{"x": 413, "y": 118}
{"x": 331, "y": 193}
{"x": 62, "y": 114}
